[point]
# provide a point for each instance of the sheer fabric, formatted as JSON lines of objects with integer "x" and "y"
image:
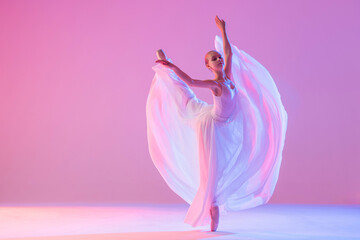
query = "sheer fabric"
{"x": 226, "y": 153}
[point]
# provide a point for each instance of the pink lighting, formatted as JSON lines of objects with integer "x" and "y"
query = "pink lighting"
{"x": 74, "y": 81}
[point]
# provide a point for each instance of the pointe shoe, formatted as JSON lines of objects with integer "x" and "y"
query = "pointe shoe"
{"x": 161, "y": 55}
{"x": 214, "y": 212}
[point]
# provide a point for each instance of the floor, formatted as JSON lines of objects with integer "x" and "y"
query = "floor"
{"x": 151, "y": 221}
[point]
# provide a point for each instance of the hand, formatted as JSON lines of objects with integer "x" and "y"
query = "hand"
{"x": 220, "y": 23}
{"x": 165, "y": 63}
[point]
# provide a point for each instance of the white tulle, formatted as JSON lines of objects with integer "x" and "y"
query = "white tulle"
{"x": 207, "y": 159}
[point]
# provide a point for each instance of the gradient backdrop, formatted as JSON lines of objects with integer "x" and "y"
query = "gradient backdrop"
{"x": 74, "y": 79}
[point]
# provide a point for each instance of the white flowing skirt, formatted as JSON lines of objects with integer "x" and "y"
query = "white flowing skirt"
{"x": 233, "y": 163}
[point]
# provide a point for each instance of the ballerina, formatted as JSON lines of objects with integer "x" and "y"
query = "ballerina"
{"x": 218, "y": 157}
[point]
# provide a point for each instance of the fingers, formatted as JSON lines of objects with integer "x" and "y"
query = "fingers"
{"x": 219, "y": 21}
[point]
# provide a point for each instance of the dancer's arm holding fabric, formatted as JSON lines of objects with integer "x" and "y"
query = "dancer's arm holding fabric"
{"x": 186, "y": 78}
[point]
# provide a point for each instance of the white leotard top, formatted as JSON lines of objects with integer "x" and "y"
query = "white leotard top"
{"x": 224, "y": 104}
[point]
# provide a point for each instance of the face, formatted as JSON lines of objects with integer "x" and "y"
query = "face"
{"x": 215, "y": 61}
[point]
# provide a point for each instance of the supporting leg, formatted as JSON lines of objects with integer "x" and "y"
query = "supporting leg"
{"x": 214, "y": 213}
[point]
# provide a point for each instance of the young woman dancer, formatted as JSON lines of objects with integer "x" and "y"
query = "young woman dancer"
{"x": 223, "y": 156}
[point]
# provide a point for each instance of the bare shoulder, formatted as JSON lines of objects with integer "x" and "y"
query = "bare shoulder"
{"x": 214, "y": 86}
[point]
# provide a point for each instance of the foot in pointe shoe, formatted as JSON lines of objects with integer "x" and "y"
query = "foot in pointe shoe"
{"x": 214, "y": 212}
{"x": 161, "y": 55}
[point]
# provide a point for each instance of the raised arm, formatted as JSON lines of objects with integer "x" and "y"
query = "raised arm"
{"x": 226, "y": 46}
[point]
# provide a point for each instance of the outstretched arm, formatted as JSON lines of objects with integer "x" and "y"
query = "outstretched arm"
{"x": 226, "y": 46}
{"x": 186, "y": 78}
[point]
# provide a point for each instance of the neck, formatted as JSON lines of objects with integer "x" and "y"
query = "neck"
{"x": 220, "y": 75}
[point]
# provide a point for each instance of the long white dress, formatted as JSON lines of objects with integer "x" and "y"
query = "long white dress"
{"x": 228, "y": 152}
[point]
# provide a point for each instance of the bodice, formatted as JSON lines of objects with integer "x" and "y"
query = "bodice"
{"x": 224, "y": 105}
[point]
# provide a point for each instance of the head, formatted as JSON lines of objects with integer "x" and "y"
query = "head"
{"x": 214, "y": 61}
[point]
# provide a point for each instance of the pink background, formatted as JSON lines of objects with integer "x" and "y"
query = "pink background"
{"x": 74, "y": 79}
